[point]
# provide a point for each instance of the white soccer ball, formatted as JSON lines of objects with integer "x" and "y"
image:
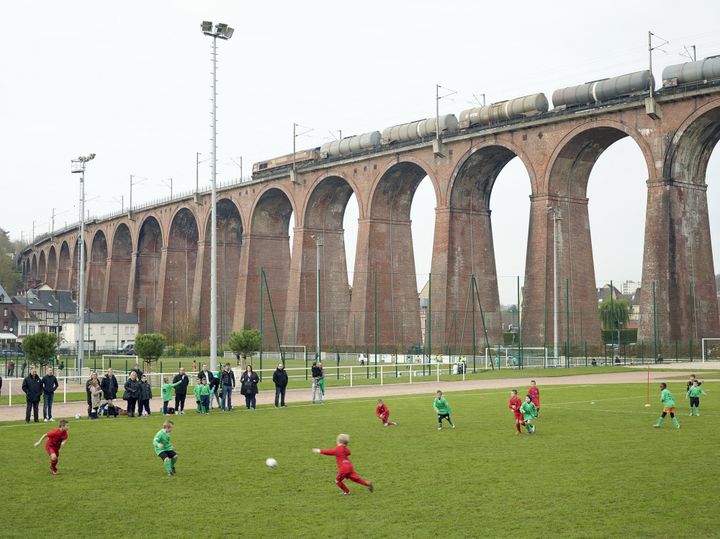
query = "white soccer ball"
{"x": 271, "y": 463}
{"x": 77, "y": 416}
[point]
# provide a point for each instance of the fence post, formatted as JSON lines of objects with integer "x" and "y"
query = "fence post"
{"x": 410, "y": 373}
{"x": 381, "y": 374}
{"x": 351, "y": 375}
{"x": 65, "y": 390}
{"x": 10, "y": 393}
{"x": 437, "y": 371}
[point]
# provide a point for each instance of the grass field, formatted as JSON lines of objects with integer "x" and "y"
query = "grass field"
{"x": 591, "y": 470}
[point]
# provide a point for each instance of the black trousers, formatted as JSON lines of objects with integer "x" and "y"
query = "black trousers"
{"x": 144, "y": 405}
{"x": 34, "y": 407}
{"x": 280, "y": 395}
{"x": 444, "y": 416}
{"x": 695, "y": 401}
{"x": 131, "y": 407}
{"x": 180, "y": 402}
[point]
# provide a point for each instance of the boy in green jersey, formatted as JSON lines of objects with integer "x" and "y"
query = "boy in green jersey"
{"x": 442, "y": 409}
{"x": 529, "y": 413}
{"x": 668, "y": 406}
{"x": 202, "y": 395}
{"x": 166, "y": 390}
{"x": 164, "y": 447}
{"x": 694, "y": 392}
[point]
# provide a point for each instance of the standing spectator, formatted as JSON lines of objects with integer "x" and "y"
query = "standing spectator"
{"x": 10, "y": 368}
{"x": 137, "y": 371}
{"x": 93, "y": 376}
{"x": 132, "y": 393}
{"x": 207, "y": 375}
{"x": 318, "y": 379}
{"x": 24, "y": 366}
{"x": 32, "y": 387}
{"x": 109, "y": 385}
{"x": 0, "y": 385}
{"x": 227, "y": 377}
{"x": 61, "y": 367}
{"x": 95, "y": 393}
{"x": 144, "y": 396}
{"x": 50, "y": 384}
{"x": 181, "y": 390}
{"x": 194, "y": 366}
{"x": 280, "y": 379}
{"x": 248, "y": 387}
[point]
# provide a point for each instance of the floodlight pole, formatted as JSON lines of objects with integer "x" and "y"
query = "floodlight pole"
{"x": 555, "y": 215}
{"x": 220, "y": 31}
{"x": 78, "y": 166}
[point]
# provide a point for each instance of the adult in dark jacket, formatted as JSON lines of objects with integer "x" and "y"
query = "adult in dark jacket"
{"x": 32, "y": 387}
{"x": 180, "y": 390}
{"x": 132, "y": 392}
{"x": 0, "y": 385}
{"x": 318, "y": 375}
{"x": 280, "y": 379}
{"x": 206, "y": 374}
{"x": 144, "y": 396}
{"x": 227, "y": 379}
{"x": 109, "y": 385}
{"x": 88, "y": 393}
{"x": 248, "y": 387}
{"x": 50, "y": 384}
{"x": 138, "y": 372}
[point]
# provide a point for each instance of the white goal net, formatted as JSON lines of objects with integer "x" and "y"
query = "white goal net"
{"x": 118, "y": 360}
{"x": 510, "y": 357}
{"x": 711, "y": 349}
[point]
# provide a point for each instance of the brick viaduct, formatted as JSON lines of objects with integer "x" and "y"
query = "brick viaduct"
{"x": 156, "y": 261}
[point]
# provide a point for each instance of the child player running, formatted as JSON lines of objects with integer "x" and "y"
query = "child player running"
{"x": 383, "y": 414}
{"x": 341, "y": 452}
{"x": 514, "y": 404}
{"x": 693, "y": 393}
{"x": 442, "y": 409}
{"x": 55, "y": 440}
{"x": 529, "y": 413}
{"x": 534, "y": 392}
{"x": 668, "y": 407}
{"x": 164, "y": 448}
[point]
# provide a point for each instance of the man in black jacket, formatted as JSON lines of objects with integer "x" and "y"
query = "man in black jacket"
{"x": 280, "y": 379}
{"x": 227, "y": 380}
{"x": 109, "y": 385}
{"x": 180, "y": 390}
{"x": 49, "y": 385}
{"x": 32, "y": 387}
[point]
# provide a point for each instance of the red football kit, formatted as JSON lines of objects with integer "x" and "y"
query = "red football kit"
{"x": 345, "y": 467}
{"x": 382, "y": 412}
{"x": 534, "y": 393}
{"x": 515, "y": 404}
{"x": 55, "y": 438}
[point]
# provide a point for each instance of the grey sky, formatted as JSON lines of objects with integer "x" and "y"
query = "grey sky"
{"x": 130, "y": 81}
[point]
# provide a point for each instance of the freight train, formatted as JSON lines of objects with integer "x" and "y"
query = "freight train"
{"x": 593, "y": 93}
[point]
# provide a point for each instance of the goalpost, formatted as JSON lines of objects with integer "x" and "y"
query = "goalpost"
{"x": 710, "y": 349}
{"x": 134, "y": 359}
{"x": 508, "y": 357}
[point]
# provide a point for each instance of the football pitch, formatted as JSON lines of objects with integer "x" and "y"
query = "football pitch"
{"x": 594, "y": 468}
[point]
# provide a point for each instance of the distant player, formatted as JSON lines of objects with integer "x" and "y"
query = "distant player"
{"x": 442, "y": 409}
{"x": 55, "y": 440}
{"x": 383, "y": 414}
{"x": 534, "y": 393}
{"x": 515, "y": 404}
{"x": 341, "y": 452}
{"x": 694, "y": 392}
{"x": 529, "y": 413}
{"x": 164, "y": 447}
{"x": 668, "y": 406}
{"x": 692, "y": 380}
{"x": 202, "y": 395}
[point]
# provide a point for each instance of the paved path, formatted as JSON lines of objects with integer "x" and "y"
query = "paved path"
{"x": 15, "y": 413}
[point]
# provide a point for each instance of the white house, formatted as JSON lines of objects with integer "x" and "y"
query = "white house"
{"x": 103, "y": 331}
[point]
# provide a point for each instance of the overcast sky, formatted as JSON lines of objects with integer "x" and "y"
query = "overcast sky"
{"x": 130, "y": 81}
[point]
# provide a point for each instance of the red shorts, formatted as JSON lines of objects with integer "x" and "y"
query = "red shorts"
{"x": 351, "y": 475}
{"x": 50, "y": 450}
{"x": 518, "y": 415}
{"x": 536, "y": 403}
{"x": 384, "y": 418}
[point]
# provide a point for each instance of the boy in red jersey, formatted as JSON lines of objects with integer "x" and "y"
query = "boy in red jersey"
{"x": 55, "y": 440}
{"x": 345, "y": 467}
{"x": 534, "y": 393}
{"x": 383, "y": 414}
{"x": 515, "y": 404}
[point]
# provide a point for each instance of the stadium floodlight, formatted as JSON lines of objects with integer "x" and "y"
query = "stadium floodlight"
{"x": 222, "y": 31}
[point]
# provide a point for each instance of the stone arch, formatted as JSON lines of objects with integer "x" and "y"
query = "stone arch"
{"x": 97, "y": 271}
{"x": 271, "y": 212}
{"x": 75, "y": 260}
{"x": 34, "y": 267}
{"x": 52, "y": 267}
{"x": 64, "y": 266}
{"x": 392, "y": 194}
{"x": 182, "y": 250}
{"x": 147, "y": 272}
{"x": 42, "y": 266}
{"x": 121, "y": 251}
{"x": 324, "y": 210}
{"x": 692, "y": 145}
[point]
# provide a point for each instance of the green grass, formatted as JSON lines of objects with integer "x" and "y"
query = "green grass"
{"x": 368, "y": 377}
{"x": 592, "y": 470}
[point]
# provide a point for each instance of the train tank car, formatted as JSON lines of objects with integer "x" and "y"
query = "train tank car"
{"x": 602, "y": 90}
{"x": 519, "y": 107}
{"x": 349, "y": 145}
{"x": 419, "y": 129}
{"x": 700, "y": 71}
